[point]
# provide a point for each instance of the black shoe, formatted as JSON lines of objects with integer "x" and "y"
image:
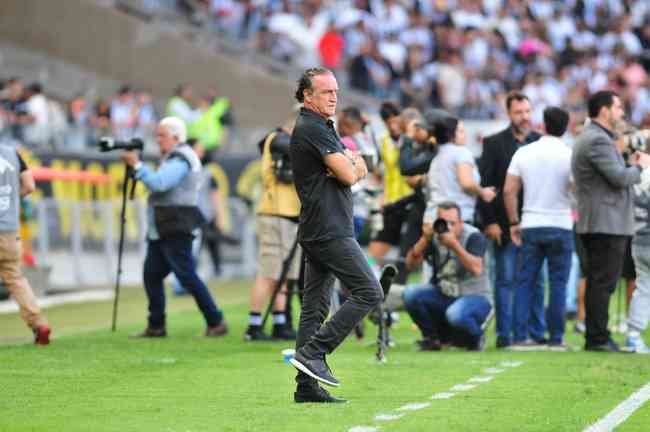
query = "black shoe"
{"x": 610, "y": 346}
{"x": 283, "y": 332}
{"x": 256, "y": 334}
{"x": 315, "y": 368}
{"x": 151, "y": 332}
{"x": 502, "y": 343}
{"x": 316, "y": 395}
{"x": 478, "y": 344}
{"x": 429, "y": 344}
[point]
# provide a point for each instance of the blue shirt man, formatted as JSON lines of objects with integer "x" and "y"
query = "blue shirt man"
{"x": 172, "y": 216}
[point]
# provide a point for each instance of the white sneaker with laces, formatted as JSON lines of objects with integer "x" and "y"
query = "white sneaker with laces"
{"x": 636, "y": 344}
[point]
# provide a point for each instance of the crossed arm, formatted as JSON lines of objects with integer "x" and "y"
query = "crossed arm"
{"x": 348, "y": 167}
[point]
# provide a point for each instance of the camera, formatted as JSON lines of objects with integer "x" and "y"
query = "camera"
{"x": 440, "y": 226}
{"x": 280, "y": 158}
{"x": 376, "y": 216}
{"x": 636, "y": 140}
{"x": 107, "y": 144}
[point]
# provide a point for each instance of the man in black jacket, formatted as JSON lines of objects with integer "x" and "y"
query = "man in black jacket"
{"x": 498, "y": 150}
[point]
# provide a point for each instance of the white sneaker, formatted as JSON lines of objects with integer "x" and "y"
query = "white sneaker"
{"x": 636, "y": 344}
{"x": 580, "y": 327}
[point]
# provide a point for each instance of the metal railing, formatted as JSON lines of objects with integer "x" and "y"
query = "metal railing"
{"x": 78, "y": 242}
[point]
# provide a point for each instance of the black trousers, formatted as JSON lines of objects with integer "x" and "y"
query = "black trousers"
{"x": 604, "y": 261}
{"x": 341, "y": 258}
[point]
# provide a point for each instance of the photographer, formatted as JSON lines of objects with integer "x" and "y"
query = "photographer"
{"x": 277, "y": 226}
{"x": 172, "y": 215}
{"x": 455, "y": 305}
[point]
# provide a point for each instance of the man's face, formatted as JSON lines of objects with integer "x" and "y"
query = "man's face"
{"x": 166, "y": 141}
{"x": 519, "y": 115}
{"x": 323, "y": 96}
{"x": 615, "y": 113}
{"x": 454, "y": 222}
{"x": 394, "y": 125}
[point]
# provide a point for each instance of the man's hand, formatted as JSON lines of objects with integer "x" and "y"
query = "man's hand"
{"x": 488, "y": 194}
{"x": 427, "y": 231}
{"x": 415, "y": 181}
{"x": 130, "y": 158}
{"x": 360, "y": 167}
{"x": 515, "y": 234}
{"x": 641, "y": 159}
{"x": 448, "y": 239}
{"x": 493, "y": 232}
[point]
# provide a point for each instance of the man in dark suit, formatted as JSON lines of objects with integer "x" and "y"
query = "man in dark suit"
{"x": 498, "y": 150}
{"x": 605, "y": 210}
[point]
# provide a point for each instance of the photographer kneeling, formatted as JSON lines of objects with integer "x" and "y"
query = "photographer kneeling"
{"x": 172, "y": 216}
{"x": 454, "y": 307}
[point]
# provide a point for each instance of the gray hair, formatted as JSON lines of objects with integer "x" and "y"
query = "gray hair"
{"x": 176, "y": 127}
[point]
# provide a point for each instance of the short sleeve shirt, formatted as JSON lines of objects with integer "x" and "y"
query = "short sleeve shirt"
{"x": 443, "y": 179}
{"x": 326, "y": 203}
{"x": 450, "y": 276}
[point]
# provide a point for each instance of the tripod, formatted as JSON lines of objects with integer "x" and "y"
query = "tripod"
{"x": 286, "y": 264}
{"x": 128, "y": 179}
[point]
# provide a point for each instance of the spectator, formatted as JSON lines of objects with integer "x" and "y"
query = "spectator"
{"x": 637, "y": 320}
{"x": 497, "y": 155}
{"x": 123, "y": 114}
{"x": 543, "y": 170}
{"x": 37, "y": 110}
{"x": 453, "y": 175}
{"x": 605, "y": 210}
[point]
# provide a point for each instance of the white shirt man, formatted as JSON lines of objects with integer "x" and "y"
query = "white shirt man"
{"x": 543, "y": 169}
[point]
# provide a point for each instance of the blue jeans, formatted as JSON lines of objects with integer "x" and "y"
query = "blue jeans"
{"x": 507, "y": 259}
{"x": 556, "y": 246}
{"x": 427, "y": 306}
{"x": 175, "y": 255}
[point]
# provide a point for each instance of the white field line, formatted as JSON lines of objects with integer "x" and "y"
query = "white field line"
{"x": 462, "y": 387}
{"x": 10, "y": 306}
{"x": 624, "y": 410}
{"x": 388, "y": 417}
{"x": 480, "y": 379}
{"x": 442, "y": 395}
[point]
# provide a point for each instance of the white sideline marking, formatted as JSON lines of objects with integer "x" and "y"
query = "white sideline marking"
{"x": 619, "y": 414}
{"x": 443, "y": 395}
{"x": 462, "y": 387}
{"x": 512, "y": 364}
{"x": 480, "y": 379}
{"x": 10, "y": 306}
{"x": 413, "y": 406}
{"x": 492, "y": 370}
{"x": 388, "y": 417}
{"x": 363, "y": 429}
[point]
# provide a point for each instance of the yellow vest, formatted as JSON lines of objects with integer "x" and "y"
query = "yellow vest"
{"x": 278, "y": 199}
{"x": 395, "y": 186}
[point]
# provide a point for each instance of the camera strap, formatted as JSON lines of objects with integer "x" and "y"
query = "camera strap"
{"x": 438, "y": 264}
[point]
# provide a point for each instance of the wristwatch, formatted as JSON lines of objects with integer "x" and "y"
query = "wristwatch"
{"x": 515, "y": 223}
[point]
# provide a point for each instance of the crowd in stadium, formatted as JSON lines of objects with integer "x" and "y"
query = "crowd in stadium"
{"x": 30, "y": 117}
{"x": 462, "y": 55}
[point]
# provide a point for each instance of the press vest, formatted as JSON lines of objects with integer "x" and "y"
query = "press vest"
{"x": 9, "y": 189}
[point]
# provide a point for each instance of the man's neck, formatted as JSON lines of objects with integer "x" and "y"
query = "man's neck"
{"x": 310, "y": 107}
{"x": 604, "y": 123}
{"x": 519, "y": 134}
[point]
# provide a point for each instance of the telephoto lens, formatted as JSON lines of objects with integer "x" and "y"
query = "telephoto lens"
{"x": 440, "y": 226}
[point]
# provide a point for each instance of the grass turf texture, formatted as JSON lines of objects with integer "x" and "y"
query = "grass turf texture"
{"x": 90, "y": 379}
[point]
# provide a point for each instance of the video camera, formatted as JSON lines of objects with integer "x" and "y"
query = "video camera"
{"x": 107, "y": 144}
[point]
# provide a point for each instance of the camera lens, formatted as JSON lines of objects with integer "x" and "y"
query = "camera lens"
{"x": 440, "y": 226}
